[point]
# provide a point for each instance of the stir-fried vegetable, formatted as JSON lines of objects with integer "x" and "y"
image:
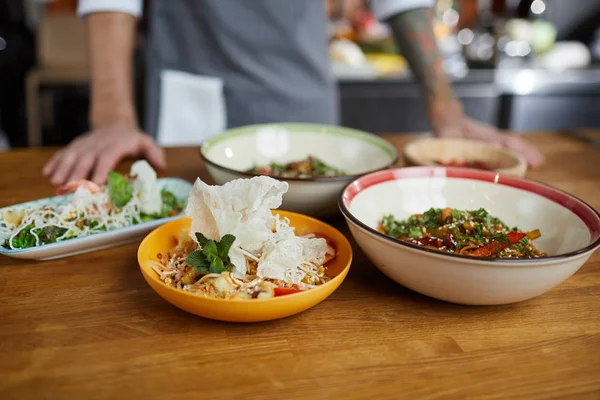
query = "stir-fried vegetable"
{"x": 475, "y": 233}
{"x": 310, "y": 167}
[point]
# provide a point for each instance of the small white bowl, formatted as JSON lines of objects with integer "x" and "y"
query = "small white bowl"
{"x": 231, "y": 153}
{"x": 570, "y": 232}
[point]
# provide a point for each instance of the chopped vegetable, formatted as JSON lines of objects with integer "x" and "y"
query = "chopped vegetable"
{"x": 24, "y": 239}
{"x": 310, "y": 167}
{"x": 475, "y": 233}
{"x": 281, "y": 291}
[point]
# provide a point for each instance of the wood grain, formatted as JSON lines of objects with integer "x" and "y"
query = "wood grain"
{"x": 89, "y": 327}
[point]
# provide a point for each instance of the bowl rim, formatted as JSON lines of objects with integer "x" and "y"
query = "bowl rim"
{"x": 325, "y": 129}
{"x": 339, "y": 277}
{"x": 519, "y": 160}
{"x": 473, "y": 174}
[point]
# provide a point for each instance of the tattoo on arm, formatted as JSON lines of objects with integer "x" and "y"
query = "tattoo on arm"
{"x": 413, "y": 31}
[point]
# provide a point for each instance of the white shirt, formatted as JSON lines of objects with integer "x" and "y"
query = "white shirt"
{"x": 283, "y": 63}
{"x": 381, "y": 8}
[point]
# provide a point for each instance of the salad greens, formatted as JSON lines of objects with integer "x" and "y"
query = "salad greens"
{"x": 47, "y": 225}
{"x": 119, "y": 188}
{"x": 27, "y": 236}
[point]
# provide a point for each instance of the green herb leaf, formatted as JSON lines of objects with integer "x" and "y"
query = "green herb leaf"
{"x": 392, "y": 227}
{"x": 170, "y": 204}
{"x": 147, "y": 218}
{"x": 213, "y": 257}
{"x": 480, "y": 214}
{"x": 431, "y": 218}
{"x": 500, "y": 238}
{"x": 203, "y": 270}
{"x": 210, "y": 250}
{"x": 71, "y": 235}
{"x": 202, "y": 240}
{"x": 49, "y": 234}
{"x": 415, "y": 233}
{"x": 217, "y": 266}
{"x": 457, "y": 215}
{"x": 25, "y": 238}
{"x": 119, "y": 188}
{"x": 224, "y": 246}
{"x": 196, "y": 259}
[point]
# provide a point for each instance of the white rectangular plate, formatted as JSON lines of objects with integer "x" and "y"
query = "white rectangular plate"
{"x": 116, "y": 237}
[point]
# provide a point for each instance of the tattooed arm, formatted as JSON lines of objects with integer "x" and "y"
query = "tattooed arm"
{"x": 413, "y": 31}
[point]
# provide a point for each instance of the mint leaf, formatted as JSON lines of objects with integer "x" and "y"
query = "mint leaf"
{"x": 202, "y": 240}
{"x": 213, "y": 257}
{"x": 217, "y": 266}
{"x": 210, "y": 250}
{"x": 119, "y": 188}
{"x": 224, "y": 246}
{"x": 202, "y": 270}
{"x": 196, "y": 259}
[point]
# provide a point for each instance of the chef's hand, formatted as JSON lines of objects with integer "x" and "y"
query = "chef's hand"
{"x": 98, "y": 152}
{"x": 450, "y": 121}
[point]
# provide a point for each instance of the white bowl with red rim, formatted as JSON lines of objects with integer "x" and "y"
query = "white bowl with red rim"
{"x": 570, "y": 232}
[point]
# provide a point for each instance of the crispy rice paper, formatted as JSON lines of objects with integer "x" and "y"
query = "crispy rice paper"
{"x": 242, "y": 208}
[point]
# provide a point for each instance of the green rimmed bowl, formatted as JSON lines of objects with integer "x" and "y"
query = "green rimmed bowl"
{"x": 356, "y": 153}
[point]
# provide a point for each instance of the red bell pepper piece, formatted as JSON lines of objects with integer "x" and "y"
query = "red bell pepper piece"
{"x": 487, "y": 250}
{"x": 285, "y": 291}
{"x": 515, "y": 237}
{"x": 494, "y": 247}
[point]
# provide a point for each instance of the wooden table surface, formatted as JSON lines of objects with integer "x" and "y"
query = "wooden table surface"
{"x": 89, "y": 327}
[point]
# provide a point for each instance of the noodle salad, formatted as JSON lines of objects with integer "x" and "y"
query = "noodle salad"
{"x": 126, "y": 200}
{"x": 237, "y": 249}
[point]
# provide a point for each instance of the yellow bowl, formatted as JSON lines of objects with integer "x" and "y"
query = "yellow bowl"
{"x": 165, "y": 237}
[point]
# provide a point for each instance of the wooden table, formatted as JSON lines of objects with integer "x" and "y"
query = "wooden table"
{"x": 89, "y": 327}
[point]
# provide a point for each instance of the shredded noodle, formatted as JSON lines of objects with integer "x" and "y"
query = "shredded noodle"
{"x": 94, "y": 207}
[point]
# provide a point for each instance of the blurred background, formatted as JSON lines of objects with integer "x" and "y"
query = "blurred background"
{"x": 524, "y": 65}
